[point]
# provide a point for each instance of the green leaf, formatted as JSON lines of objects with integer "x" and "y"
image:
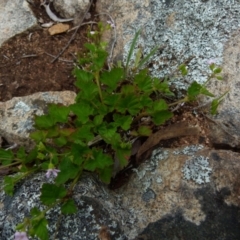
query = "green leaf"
{"x": 109, "y": 133}
{"x": 6, "y": 156}
{"x": 79, "y": 153}
{"x": 159, "y": 105}
{"x": 98, "y": 120}
{"x": 83, "y": 111}
{"x": 40, "y": 228}
{"x": 52, "y": 132}
{"x": 111, "y": 100}
{"x": 145, "y": 101}
{"x": 138, "y": 57}
{"x": 204, "y": 91}
{"x": 9, "y": 185}
{"x": 51, "y": 193}
{"x": 217, "y": 70}
{"x": 162, "y": 87}
{"x": 41, "y": 156}
{"x": 183, "y": 69}
{"x": 143, "y": 81}
{"x": 112, "y": 78}
{"x": 44, "y": 122}
{"x": 149, "y": 55}
{"x": 106, "y": 174}
{"x": 128, "y": 89}
{"x": 84, "y": 133}
{"x": 41, "y": 147}
{"x": 88, "y": 89}
{"x": 129, "y": 103}
{"x": 60, "y": 141}
{"x": 214, "y": 106}
{"x": 68, "y": 170}
{"x": 133, "y": 44}
{"x": 21, "y": 154}
{"x": 194, "y": 90}
{"x": 82, "y": 76}
{"x": 32, "y": 155}
{"x": 212, "y": 66}
{"x": 144, "y": 131}
{"x": 69, "y": 207}
{"x": 38, "y": 136}
{"x": 99, "y": 61}
{"x": 123, "y": 154}
{"x": 58, "y": 113}
{"x": 161, "y": 117}
{"x": 219, "y": 77}
{"x": 99, "y": 161}
{"x": 123, "y": 121}
{"x": 90, "y": 46}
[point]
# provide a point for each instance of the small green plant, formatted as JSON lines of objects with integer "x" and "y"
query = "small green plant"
{"x": 95, "y": 131}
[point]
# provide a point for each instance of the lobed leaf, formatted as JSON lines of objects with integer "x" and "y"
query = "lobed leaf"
{"x": 144, "y": 131}
{"x": 99, "y": 161}
{"x": 9, "y": 185}
{"x": 6, "y": 156}
{"x": 82, "y": 77}
{"x": 106, "y": 174}
{"x": 143, "y": 81}
{"x": 83, "y": 111}
{"x": 161, "y": 117}
{"x": 194, "y": 90}
{"x": 112, "y": 78}
{"x": 68, "y": 170}
{"x": 69, "y": 207}
{"x": 58, "y": 113}
{"x": 123, "y": 121}
{"x": 50, "y": 193}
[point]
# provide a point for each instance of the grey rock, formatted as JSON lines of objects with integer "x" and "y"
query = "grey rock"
{"x": 166, "y": 204}
{"x": 15, "y": 17}
{"x": 91, "y": 198}
{"x": 73, "y": 8}
{"x": 158, "y": 202}
{"x": 16, "y": 115}
{"x": 185, "y": 31}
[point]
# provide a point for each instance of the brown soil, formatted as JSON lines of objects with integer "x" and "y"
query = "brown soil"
{"x": 21, "y": 75}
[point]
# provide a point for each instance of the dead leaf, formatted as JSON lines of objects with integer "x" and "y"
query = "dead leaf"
{"x": 173, "y": 131}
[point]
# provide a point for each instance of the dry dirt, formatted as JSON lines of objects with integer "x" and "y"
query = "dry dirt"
{"x": 21, "y": 75}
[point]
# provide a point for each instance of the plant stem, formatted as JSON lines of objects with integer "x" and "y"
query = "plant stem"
{"x": 179, "y": 101}
{"x": 99, "y": 87}
{"x": 9, "y": 165}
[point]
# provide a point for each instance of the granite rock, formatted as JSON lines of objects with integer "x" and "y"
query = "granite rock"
{"x": 167, "y": 198}
{"x": 71, "y": 9}
{"x": 16, "y": 115}
{"x": 15, "y": 17}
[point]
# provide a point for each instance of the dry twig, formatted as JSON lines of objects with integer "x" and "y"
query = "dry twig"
{"x": 74, "y": 34}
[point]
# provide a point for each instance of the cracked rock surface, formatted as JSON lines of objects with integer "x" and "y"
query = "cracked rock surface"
{"x": 159, "y": 202}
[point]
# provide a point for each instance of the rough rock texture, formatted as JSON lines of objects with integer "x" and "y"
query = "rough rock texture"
{"x": 186, "y": 193}
{"x": 186, "y": 31}
{"x": 16, "y": 115}
{"x": 182, "y": 183}
{"x": 226, "y": 129}
{"x": 71, "y": 8}
{"x": 15, "y": 17}
{"x": 94, "y": 211}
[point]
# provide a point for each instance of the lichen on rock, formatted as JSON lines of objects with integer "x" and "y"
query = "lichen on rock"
{"x": 197, "y": 169}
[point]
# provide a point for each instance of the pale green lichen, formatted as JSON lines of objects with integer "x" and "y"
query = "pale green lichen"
{"x": 197, "y": 169}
